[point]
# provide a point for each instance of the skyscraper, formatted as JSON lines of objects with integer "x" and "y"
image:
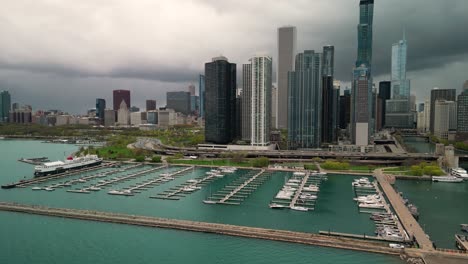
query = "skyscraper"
{"x": 286, "y": 52}
{"x": 385, "y": 88}
{"x": 274, "y": 106}
{"x": 440, "y": 94}
{"x": 305, "y": 101}
{"x": 150, "y": 105}
{"x": 201, "y": 88}
{"x": 246, "y": 102}
{"x": 329, "y": 105}
{"x": 119, "y": 96}
{"x": 220, "y": 104}
{"x": 445, "y": 118}
{"x": 100, "y": 107}
{"x": 261, "y": 100}
{"x": 345, "y": 109}
{"x": 179, "y": 101}
{"x": 366, "y": 16}
{"x": 5, "y": 106}
{"x": 361, "y": 98}
{"x": 462, "y": 115}
{"x": 465, "y": 85}
{"x": 361, "y": 94}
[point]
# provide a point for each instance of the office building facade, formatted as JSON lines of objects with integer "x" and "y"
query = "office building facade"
{"x": 220, "y": 101}
{"x": 179, "y": 101}
{"x": 462, "y": 115}
{"x": 440, "y": 94}
{"x": 246, "y": 102}
{"x": 305, "y": 101}
{"x": 329, "y": 99}
{"x": 201, "y": 91}
{"x": 100, "y": 107}
{"x": 445, "y": 118}
{"x": 119, "y": 96}
{"x": 150, "y": 105}
{"x": 286, "y": 52}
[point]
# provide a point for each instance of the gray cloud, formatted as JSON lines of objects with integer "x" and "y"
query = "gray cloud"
{"x": 163, "y": 45}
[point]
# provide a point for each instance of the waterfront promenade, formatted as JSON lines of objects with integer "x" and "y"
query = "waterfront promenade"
{"x": 410, "y": 224}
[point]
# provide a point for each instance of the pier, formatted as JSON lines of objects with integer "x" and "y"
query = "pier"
{"x": 407, "y": 220}
{"x": 215, "y": 228}
{"x": 299, "y": 190}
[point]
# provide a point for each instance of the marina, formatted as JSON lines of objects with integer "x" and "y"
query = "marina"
{"x": 462, "y": 242}
{"x": 300, "y": 192}
{"x": 239, "y": 189}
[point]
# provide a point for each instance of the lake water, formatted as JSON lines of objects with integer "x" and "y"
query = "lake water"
{"x": 39, "y": 239}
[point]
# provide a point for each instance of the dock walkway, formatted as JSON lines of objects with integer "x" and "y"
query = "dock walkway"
{"x": 407, "y": 220}
{"x": 299, "y": 190}
{"x": 240, "y": 187}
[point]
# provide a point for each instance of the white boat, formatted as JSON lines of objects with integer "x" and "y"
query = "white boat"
{"x": 460, "y": 173}
{"x": 398, "y": 246}
{"x": 71, "y": 163}
{"x": 299, "y": 208}
{"x": 308, "y": 196}
{"x": 188, "y": 189}
{"x": 49, "y": 189}
{"x": 371, "y": 205}
{"x": 291, "y": 184}
{"x": 464, "y": 227}
{"x": 294, "y": 180}
{"x": 82, "y": 180}
{"x": 192, "y": 181}
{"x": 277, "y": 206}
{"x": 36, "y": 188}
{"x": 218, "y": 175}
{"x": 115, "y": 192}
{"x": 164, "y": 174}
{"x": 209, "y": 202}
{"x": 299, "y": 173}
{"x": 447, "y": 178}
{"x": 94, "y": 188}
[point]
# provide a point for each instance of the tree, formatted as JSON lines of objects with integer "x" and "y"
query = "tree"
{"x": 140, "y": 158}
{"x": 156, "y": 159}
{"x": 260, "y": 162}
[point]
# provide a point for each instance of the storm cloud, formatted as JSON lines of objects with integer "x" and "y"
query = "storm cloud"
{"x": 52, "y": 51}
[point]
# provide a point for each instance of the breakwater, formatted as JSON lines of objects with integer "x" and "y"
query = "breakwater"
{"x": 223, "y": 229}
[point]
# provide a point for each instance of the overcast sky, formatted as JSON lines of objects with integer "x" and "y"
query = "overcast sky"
{"x": 63, "y": 53}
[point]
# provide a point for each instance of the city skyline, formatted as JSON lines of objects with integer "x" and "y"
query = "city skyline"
{"x": 68, "y": 76}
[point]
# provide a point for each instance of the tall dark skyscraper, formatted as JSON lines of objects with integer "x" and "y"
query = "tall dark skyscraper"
{"x": 366, "y": 16}
{"x": 118, "y": 96}
{"x": 345, "y": 109}
{"x": 5, "y": 106}
{"x": 440, "y": 94}
{"x": 220, "y": 101}
{"x": 329, "y": 105}
{"x": 179, "y": 101}
{"x": 100, "y": 107}
{"x": 361, "y": 95}
{"x": 150, "y": 105}
{"x": 385, "y": 89}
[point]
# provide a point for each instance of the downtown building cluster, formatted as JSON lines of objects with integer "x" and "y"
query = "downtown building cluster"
{"x": 307, "y": 101}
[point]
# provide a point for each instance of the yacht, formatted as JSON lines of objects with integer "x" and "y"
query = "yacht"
{"x": 188, "y": 189}
{"x": 192, "y": 181}
{"x": 277, "y": 206}
{"x": 447, "y": 178}
{"x": 71, "y": 163}
{"x": 460, "y": 173}
{"x": 49, "y": 189}
{"x": 308, "y": 196}
{"x": 94, "y": 188}
{"x": 115, "y": 192}
{"x": 371, "y": 205}
{"x": 299, "y": 208}
{"x": 36, "y": 188}
{"x": 209, "y": 202}
{"x": 464, "y": 227}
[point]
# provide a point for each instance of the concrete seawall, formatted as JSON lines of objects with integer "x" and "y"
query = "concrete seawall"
{"x": 223, "y": 229}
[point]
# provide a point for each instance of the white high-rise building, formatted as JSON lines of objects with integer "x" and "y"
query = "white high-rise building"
{"x": 123, "y": 114}
{"x": 286, "y": 52}
{"x": 424, "y": 118}
{"x": 261, "y": 85}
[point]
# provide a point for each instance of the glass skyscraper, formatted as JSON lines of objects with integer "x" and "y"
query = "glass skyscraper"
{"x": 400, "y": 85}
{"x": 329, "y": 97}
{"x": 366, "y": 16}
{"x": 220, "y": 104}
{"x": 201, "y": 87}
{"x": 5, "y": 106}
{"x": 305, "y": 101}
{"x": 100, "y": 107}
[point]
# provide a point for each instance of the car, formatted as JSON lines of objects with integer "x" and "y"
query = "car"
{"x": 395, "y": 245}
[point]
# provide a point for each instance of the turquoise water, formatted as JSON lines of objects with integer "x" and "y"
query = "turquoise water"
{"x": 419, "y": 144}
{"x": 69, "y": 239}
{"x": 38, "y": 239}
{"x": 442, "y": 206}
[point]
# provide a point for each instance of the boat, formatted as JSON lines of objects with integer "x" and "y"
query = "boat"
{"x": 447, "y": 178}
{"x": 464, "y": 227}
{"x": 308, "y": 196}
{"x": 299, "y": 208}
{"x": 164, "y": 174}
{"x": 115, "y": 192}
{"x": 36, "y": 188}
{"x": 192, "y": 181}
{"x": 398, "y": 246}
{"x": 371, "y": 205}
{"x": 188, "y": 189}
{"x": 218, "y": 175}
{"x": 460, "y": 173}
{"x": 209, "y": 202}
{"x": 71, "y": 163}
{"x": 94, "y": 188}
{"x": 299, "y": 173}
{"x": 49, "y": 189}
{"x": 277, "y": 206}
